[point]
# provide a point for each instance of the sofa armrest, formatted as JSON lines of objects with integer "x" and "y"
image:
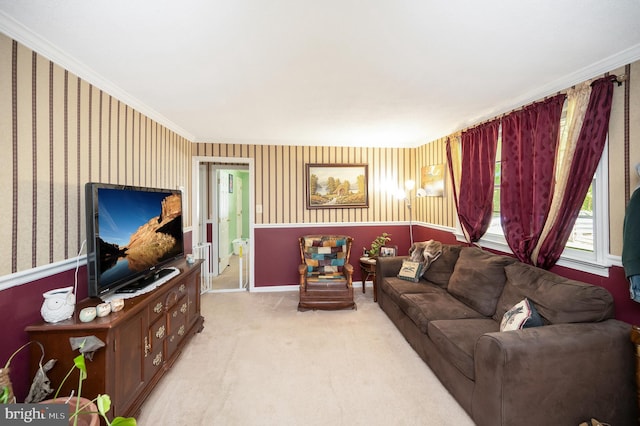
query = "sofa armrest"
{"x": 555, "y": 374}
{"x": 389, "y": 266}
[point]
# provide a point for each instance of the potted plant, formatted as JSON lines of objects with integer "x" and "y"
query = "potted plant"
{"x": 378, "y": 242}
{"x": 83, "y": 410}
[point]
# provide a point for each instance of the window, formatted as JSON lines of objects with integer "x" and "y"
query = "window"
{"x": 588, "y": 244}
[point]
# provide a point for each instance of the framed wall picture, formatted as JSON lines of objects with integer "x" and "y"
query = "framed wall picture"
{"x": 432, "y": 180}
{"x": 331, "y": 186}
{"x": 388, "y": 251}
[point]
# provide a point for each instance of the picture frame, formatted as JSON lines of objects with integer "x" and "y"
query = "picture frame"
{"x": 386, "y": 251}
{"x": 432, "y": 179}
{"x": 334, "y": 186}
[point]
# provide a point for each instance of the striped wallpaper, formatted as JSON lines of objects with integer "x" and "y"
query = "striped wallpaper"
{"x": 58, "y": 132}
{"x": 280, "y": 181}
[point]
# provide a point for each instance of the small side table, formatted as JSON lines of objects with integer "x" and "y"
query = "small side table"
{"x": 368, "y": 269}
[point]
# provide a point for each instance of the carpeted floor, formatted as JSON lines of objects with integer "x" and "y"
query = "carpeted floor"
{"x": 259, "y": 361}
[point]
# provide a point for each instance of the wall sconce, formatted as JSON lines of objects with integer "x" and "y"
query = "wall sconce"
{"x": 402, "y": 195}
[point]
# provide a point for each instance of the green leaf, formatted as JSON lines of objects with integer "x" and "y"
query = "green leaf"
{"x": 4, "y": 398}
{"x": 121, "y": 421}
{"x": 80, "y": 364}
{"x": 104, "y": 404}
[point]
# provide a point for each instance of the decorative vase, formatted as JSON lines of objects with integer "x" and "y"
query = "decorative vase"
{"x": 58, "y": 304}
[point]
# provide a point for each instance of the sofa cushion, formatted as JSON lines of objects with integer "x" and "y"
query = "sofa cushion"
{"x": 425, "y": 307}
{"x": 522, "y": 315}
{"x": 396, "y": 287}
{"x": 557, "y": 299}
{"x": 441, "y": 269}
{"x": 456, "y": 340}
{"x": 478, "y": 279}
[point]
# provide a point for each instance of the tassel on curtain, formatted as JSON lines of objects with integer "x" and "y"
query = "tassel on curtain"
{"x": 529, "y": 145}
{"x": 474, "y": 199}
{"x": 588, "y": 150}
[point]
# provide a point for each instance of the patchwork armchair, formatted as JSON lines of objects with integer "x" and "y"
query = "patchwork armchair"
{"x": 325, "y": 272}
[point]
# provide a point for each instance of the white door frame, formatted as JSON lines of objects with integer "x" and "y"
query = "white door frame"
{"x": 195, "y": 202}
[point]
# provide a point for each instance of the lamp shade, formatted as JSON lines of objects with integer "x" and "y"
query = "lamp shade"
{"x": 410, "y": 184}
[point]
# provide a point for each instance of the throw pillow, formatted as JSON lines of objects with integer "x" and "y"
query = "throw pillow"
{"x": 522, "y": 315}
{"x": 410, "y": 271}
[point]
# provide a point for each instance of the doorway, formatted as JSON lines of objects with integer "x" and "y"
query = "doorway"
{"x": 223, "y": 220}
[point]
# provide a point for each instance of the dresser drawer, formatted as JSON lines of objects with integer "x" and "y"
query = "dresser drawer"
{"x": 177, "y": 320}
{"x": 156, "y": 308}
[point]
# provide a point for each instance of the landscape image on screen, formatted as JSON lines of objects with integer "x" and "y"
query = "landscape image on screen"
{"x": 137, "y": 230}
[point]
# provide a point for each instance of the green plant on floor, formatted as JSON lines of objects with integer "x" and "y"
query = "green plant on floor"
{"x": 378, "y": 242}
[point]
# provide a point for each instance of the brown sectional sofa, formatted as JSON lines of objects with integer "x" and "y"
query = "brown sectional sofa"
{"x": 577, "y": 366}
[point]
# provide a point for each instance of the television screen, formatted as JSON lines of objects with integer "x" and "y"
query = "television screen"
{"x": 131, "y": 233}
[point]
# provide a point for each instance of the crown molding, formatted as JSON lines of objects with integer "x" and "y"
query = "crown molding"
{"x": 25, "y": 36}
{"x": 594, "y": 70}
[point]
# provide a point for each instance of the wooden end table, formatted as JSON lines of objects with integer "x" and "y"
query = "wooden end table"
{"x": 368, "y": 269}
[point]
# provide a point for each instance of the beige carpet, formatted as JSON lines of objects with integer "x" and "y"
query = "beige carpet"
{"x": 259, "y": 361}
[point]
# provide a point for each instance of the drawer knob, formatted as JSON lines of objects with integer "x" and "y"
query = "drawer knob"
{"x": 158, "y": 308}
{"x": 160, "y": 332}
{"x": 158, "y": 359}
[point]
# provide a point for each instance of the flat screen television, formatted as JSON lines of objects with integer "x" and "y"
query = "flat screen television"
{"x": 132, "y": 233}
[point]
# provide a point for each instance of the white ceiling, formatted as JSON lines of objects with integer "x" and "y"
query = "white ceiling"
{"x": 328, "y": 72}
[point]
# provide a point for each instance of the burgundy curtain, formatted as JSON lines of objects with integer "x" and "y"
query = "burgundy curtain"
{"x": 585, "y": 161}
{"x": 529, "y": 143}
{"x": 476, "y": 181}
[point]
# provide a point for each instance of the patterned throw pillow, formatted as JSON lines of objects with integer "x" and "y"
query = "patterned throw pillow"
{"x": 522, "y": 315}
{"x": 410, "y": 271}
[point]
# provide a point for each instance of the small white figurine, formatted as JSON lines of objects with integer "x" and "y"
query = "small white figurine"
{"x": 58, "y": 304}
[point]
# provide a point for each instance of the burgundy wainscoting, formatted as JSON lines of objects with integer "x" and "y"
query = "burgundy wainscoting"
{"x": 277, "y": 253}
{"x": 422, "y": 233}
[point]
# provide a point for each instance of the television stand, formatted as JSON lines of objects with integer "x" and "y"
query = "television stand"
{"x": 143, "y": 340}
{"x": 150, "y": 282}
